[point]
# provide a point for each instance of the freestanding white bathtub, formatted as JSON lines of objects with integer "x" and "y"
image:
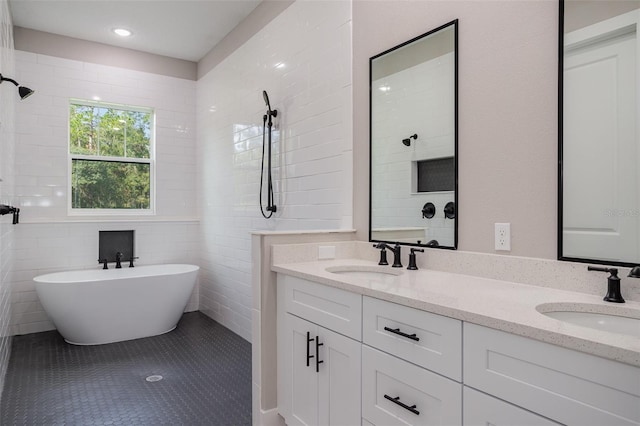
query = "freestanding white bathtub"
{"x": 97, "y": 306}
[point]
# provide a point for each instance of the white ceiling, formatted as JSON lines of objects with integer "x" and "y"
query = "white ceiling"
{"x": 184, "y": 29}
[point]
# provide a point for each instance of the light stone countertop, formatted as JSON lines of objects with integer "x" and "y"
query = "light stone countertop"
{"x": 501, "y": 305}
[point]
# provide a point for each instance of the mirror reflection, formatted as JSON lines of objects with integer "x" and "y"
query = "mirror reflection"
{"x": 599, "y": 181}
{"x": 413, "y": 104}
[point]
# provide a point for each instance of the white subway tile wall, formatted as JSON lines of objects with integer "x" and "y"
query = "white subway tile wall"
{"x": 427, "y": 111}
{"x": 302, "y": 59}
{"x": 8, "y": 98}
{"x": 46, "y": 240}
{"x": 42, "y": 131}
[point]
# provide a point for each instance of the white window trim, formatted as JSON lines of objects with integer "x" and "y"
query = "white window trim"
{"x": 151, "y": 211}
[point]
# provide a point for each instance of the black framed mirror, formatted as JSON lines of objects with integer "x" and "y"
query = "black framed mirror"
{"x": 598, "y": 137}
{"x": 413, "y": 119}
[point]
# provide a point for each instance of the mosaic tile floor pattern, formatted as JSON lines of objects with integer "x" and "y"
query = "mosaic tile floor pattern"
{"x": 206, "y": 372}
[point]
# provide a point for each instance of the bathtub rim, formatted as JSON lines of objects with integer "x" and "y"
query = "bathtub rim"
{"x": 112, "y": 274}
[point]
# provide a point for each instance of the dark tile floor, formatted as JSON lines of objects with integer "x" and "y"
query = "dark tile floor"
{"x": 206, "y": 373}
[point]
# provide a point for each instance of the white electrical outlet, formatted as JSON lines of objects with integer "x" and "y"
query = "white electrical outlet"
{"x": 503, "y": 236}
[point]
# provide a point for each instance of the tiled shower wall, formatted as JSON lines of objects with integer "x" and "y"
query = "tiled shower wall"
{"x": 302, "y": 59}
{"x": 8, "y": 97}
{"x": 48, "y": 239}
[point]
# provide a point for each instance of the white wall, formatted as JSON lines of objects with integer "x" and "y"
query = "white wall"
{"x": 47, "y": 239}
{"x": 8, "y": 97}
{"x": 312, "y": 145}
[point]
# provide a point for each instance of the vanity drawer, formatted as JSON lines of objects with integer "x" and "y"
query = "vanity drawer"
{"x": 330, "y": 307}
{"x": 428, "y": 398}
{"x": 567, "y": 386}
{"x": 431, "y": 341}
{"x": 482, "y": 410}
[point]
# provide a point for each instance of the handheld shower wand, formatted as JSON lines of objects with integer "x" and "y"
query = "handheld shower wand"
{"x": 270, "y": 112}
{"x": 267, "y": 123}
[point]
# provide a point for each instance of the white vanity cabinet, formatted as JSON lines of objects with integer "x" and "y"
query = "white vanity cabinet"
{"x": 348, "y": 359}
{"x": 319, "y": 381}
{"x": 567, "y": 386}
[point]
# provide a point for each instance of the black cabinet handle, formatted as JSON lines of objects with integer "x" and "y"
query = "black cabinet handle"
{"x": 396, "y": 400}
{"x": 309, "y": 340}
{"x": 400, "y": 333}
{"x": 318, "y": 362}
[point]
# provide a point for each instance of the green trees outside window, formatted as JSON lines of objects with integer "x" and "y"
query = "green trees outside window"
{"x": 111, "y": 156}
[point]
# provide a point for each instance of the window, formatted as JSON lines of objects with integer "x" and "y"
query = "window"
{"x": 111, "y": 158}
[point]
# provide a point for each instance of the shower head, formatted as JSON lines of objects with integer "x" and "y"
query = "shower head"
{"x": 270, "y": 112}
{"x": 23, "y": 91}
{"x": 407, "y": 141}
{"x": 266, "y": 99}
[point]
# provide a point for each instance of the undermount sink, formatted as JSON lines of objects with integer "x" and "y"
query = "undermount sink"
{"x": 612, "y": 319}
{"x": 366, "y": 272}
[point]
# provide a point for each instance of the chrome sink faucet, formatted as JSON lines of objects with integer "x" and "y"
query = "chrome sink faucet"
{"x": 396, "y": 250}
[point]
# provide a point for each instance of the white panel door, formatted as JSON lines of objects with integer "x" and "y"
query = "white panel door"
{"x": 300, "y": 390}
{"x": 339, "y": 400}
{"x": 600, "y": 148}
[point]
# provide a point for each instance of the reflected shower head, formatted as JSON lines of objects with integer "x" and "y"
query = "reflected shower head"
{"x": 407, "y": 141}
{"x": 23, "y": 91}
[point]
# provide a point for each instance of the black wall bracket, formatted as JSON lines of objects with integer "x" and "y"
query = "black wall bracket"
{"x": 4, "y": 209}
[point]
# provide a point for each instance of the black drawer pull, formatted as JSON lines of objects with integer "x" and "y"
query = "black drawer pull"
{"x": 400, "y": 333}
{"x": 396, "y": 400}
{"x": 309, "y": 340}
{"x": 318, "y": 362}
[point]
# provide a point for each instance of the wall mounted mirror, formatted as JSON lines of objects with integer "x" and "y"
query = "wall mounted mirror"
{"x": 599, "y": 180}
{"x": 413, "y": 128}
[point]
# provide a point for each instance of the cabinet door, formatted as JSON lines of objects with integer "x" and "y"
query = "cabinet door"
{"x": 339, "y": 400}
{"x": 482, "y": 410}
{"x": 298, "y": 384}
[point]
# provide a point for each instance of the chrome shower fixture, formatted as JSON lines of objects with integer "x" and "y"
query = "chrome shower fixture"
{"x": 407, "y": 141}
{"x": 23, "y": 91}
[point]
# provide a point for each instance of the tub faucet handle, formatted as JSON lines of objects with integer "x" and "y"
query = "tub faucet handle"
{"x": 105, "y": 263}
{"x": 118, "y": 260}
{"x": 131, "y": 261}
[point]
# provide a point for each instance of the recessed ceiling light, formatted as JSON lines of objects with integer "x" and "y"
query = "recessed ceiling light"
{"x": 122, "y": 32}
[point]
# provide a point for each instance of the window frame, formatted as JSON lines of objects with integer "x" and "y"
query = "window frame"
{"x": 151, "y": 211}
